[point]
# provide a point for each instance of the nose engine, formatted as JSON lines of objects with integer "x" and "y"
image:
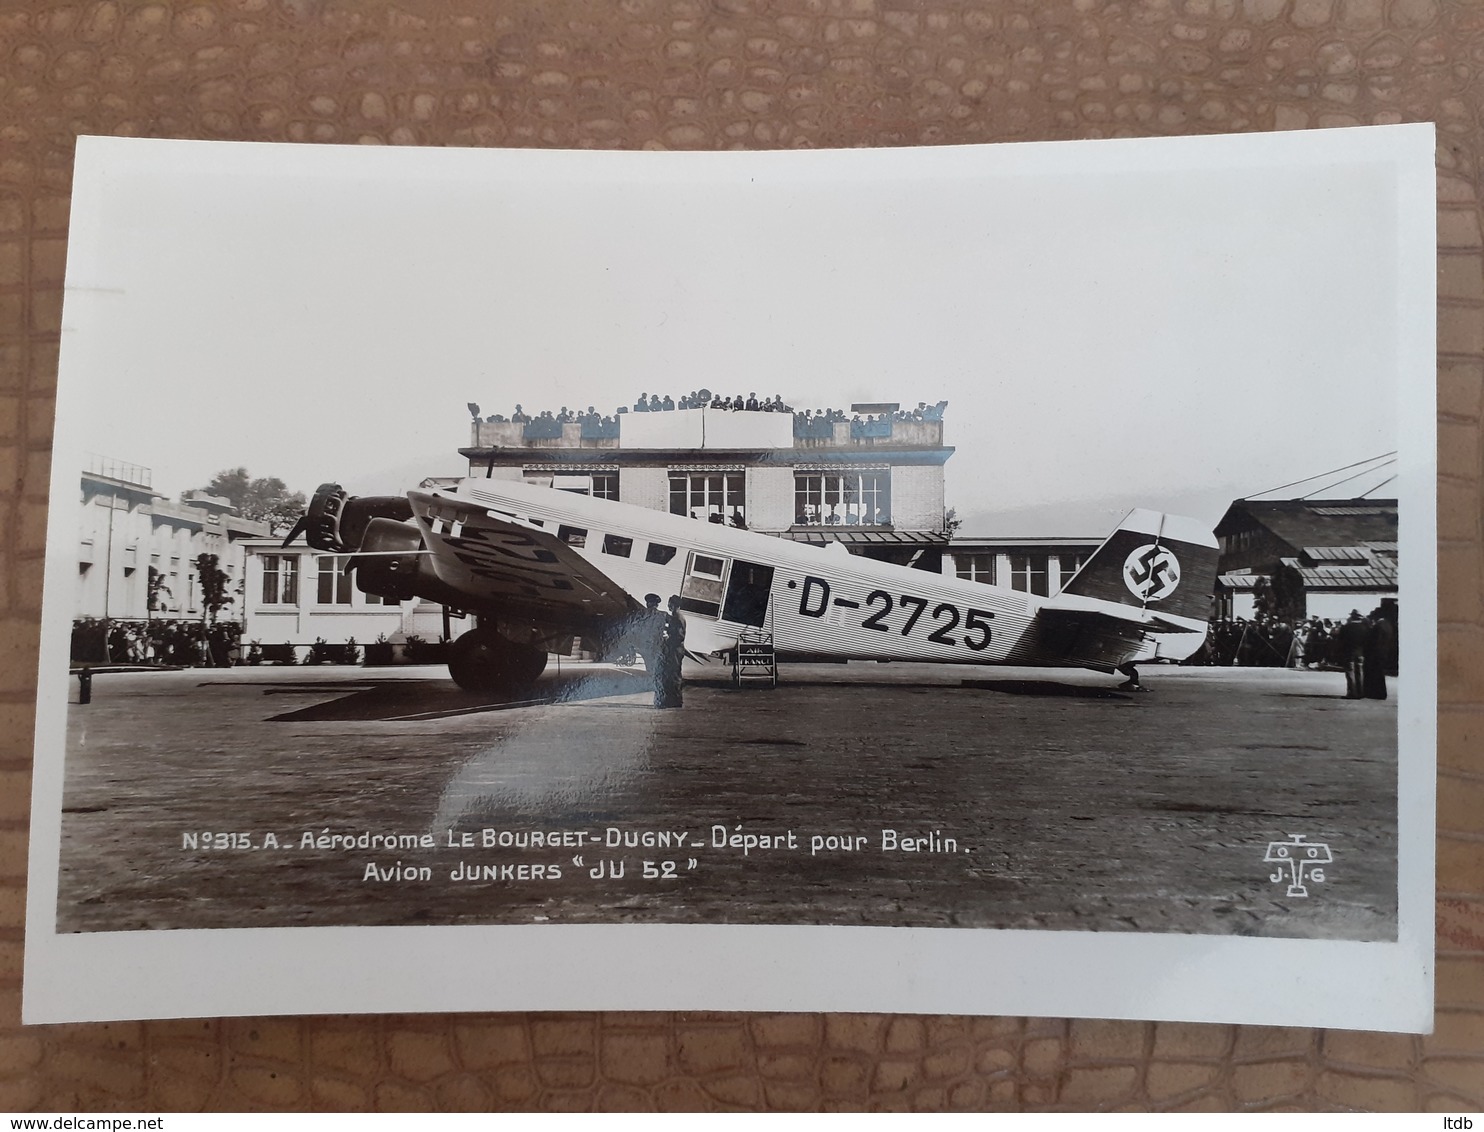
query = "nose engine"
{"x": 378, "y": 533}
{"x": 338, "y": 523}
{"x": 385, "y": 549}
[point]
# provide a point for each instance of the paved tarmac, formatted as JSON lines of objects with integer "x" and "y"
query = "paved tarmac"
{"x": 1032, "y": 799}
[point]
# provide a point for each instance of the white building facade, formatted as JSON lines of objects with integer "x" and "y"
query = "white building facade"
{"x": 1041, "y": 566}
{"x": 296, "y": 596}
{"x": 127, "y": 530}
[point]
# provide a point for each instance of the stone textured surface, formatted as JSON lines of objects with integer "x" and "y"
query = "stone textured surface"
{"x": 701, "y": 74}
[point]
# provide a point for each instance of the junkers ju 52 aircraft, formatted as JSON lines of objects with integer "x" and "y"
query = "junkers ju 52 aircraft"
{"x": 537, "y": 567}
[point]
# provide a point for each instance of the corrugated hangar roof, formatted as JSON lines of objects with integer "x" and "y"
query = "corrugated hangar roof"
{"x": 1379, "y": 573}
{"x": 1239, "y": 581}
{"x": 1302, "y": 522}
{"x": 1337, "y": 554}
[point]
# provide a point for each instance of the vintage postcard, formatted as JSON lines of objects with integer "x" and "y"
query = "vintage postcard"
{"x": 964, "y": 580}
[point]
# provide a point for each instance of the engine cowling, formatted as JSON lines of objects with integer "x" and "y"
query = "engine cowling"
{"x": 388, "y": 562}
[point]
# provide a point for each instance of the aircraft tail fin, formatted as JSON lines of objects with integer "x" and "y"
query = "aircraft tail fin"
{"x": 1163, "y": 563}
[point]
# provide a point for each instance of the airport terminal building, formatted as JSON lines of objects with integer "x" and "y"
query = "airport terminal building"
{"x": 872, "y": 480}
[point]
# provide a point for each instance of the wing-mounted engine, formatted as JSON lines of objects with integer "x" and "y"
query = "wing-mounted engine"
{"x": 388, "y": 561}
{"x": 529, "y": 591}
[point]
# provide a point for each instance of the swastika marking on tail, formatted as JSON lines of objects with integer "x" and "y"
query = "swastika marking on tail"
{"x": 1151, "y": 572}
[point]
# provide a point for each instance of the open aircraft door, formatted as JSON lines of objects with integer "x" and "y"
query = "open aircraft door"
{"x": 747, "y": 593}
{"x": 701, "y": 589}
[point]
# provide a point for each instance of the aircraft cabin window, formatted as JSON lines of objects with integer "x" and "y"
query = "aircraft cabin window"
{"x": 572, "y": 536}
{"x": 706, "y": 566}
{"x": 659, "y": 553}
{"x": 618, "y": 544}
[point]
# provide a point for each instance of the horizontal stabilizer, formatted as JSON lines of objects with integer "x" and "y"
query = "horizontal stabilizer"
{"x": 1124, "y": 618}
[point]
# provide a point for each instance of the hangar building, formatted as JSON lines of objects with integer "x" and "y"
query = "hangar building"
{"x": 1322, "y": 557}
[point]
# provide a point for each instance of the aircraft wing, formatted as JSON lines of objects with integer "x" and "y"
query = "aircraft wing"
{"x": 492, "y": 557}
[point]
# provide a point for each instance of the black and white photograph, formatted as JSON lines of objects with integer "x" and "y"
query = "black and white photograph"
{"x": 522, "y": 579}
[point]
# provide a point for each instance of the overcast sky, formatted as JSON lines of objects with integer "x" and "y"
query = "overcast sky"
{"x": 1113, "y": 325}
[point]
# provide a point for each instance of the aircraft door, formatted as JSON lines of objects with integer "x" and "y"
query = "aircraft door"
{"x": 700, "y": 592}
{"x": 747, "y": 594}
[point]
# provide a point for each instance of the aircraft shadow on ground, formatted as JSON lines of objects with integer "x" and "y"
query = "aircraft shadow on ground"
{"x": 1010, "y": 687}
{"x": 408, "y": 700}
{"x": 366, "y": 700}
{"x": 1046, "y": 688}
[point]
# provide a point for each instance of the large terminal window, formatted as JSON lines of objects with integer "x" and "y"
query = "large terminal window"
{"x": 280, "y": 579}
{"x": 975, "y": 567}
{"x": 1028, "y": 573}
{"x": 842, "y": 499}
{"x": 718, "y": 497}
{"x": 1069, "y": 565}
{"x": 1043, "y": 574}
{"x": 600, "y": 485}
{"x": 333, "y": 586}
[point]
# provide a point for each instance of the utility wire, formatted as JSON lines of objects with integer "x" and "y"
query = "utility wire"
{"x": 1378, "y": 487}
{"x": 1321, "y": 475}
{"x": 1347, "y": 479}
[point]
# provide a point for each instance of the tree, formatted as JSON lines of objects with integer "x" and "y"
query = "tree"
{"x": 264, "y": 500}
{"x": 157, "y": 587}
{"x": 213, "y": 586}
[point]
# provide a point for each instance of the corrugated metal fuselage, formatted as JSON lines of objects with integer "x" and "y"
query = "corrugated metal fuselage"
{"x": 821, "y": 602}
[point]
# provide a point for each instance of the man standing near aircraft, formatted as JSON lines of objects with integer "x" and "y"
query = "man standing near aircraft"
{"x": 645, "y": 635}
{"x": 667, "y": 692}
{"x": 1353, "y": 635}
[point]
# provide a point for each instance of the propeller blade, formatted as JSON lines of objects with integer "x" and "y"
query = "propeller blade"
{"x": 298, "y": 528}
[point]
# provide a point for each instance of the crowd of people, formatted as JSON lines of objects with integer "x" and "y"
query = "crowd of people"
{"x": 159, "y": 640}
{"x": 807, "y": 422}
{"x": 547, "y": 424}
{"x": 705, "y": 399}
{"x": 1361, "y": 646}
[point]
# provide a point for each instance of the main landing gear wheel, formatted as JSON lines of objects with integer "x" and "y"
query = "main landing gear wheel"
{"x": 482, "y": 661}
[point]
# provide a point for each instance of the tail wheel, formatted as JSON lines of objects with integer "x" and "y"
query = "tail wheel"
{"x": 482, "y": 661}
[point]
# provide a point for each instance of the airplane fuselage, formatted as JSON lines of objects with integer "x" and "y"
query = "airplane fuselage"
{"x": 811, "y": 601}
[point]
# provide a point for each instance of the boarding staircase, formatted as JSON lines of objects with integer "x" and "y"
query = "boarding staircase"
{"x": 754, "y": 661}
